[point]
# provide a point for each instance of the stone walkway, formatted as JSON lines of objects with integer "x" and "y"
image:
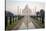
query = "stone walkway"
{"x": 26, "y": 23}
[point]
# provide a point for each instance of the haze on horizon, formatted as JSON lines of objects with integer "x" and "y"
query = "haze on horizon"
{"x": 12, "y": 6}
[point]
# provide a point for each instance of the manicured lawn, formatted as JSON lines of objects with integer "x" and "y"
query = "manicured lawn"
{"x": 13, "y": 24}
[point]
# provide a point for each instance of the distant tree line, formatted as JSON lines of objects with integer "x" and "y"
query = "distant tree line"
{"x": 41, "y": 14}
{"x": 10, "y": 16}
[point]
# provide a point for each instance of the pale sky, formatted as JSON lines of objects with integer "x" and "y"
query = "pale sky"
{"x": 11, "y": 5}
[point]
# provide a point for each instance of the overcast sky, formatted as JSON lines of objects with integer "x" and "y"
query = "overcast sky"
{"x": 11, "y": 5}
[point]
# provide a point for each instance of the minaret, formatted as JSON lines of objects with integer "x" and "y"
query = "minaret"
{"x": 18, "y": 10}
{"x": 35, "y": 10}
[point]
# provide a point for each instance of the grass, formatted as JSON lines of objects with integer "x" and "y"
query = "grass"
{"x": 11, "y": 26}
{"x": 39, "y": 23}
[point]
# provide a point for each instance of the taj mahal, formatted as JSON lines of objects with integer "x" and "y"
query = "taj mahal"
{"x": 25, "y": 11}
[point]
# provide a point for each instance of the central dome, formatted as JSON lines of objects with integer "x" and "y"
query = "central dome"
{"x": 26, "y": 10}
{"x": 26, "y": 7}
